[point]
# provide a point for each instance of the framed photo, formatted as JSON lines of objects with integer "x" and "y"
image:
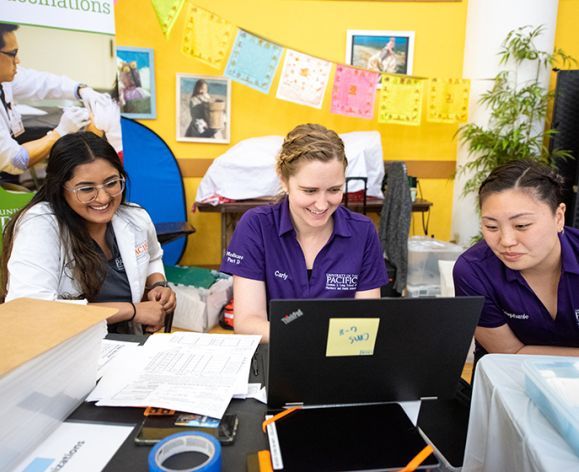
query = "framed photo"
{"x": 136, "y": 79}
{"x": 203, "y": 108}
{"x": 381, "y": 51}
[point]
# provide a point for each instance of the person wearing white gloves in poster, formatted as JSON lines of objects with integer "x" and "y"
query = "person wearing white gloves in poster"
{"x": 20, "y": 83}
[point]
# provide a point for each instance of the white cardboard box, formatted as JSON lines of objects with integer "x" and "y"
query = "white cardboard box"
{"x": 198, "y": 308}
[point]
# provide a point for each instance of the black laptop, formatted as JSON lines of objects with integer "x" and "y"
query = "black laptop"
{"x": 420, "y": 346}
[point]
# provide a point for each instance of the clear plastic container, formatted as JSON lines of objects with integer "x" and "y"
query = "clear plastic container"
{"x": 417, "y": 291}
{"x": 423, "y": 256}
{"x": 553, "y": 386}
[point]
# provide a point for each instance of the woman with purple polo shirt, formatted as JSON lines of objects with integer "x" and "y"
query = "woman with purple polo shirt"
{"x": 307, "y": 245}
{"x": 527, "y": 266}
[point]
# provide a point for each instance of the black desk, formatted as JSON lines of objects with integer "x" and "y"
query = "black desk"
{"x": 250, "y": 437}
{"x": 167, "y": 232}
{"x": 443, "y": 421}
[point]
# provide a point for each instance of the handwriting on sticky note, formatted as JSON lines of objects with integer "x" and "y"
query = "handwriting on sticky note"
{"x": 352, "y": 336}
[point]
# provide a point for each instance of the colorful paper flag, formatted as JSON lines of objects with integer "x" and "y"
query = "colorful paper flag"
{"x": 167, "y": 12}
{"x": 447, "y": 100}
{"x": 207, "y": 37}
{"x": 253, "y": 61}
{"x": 354, "y": 92}
{"x": 303, "y": 79}
{"x": 400, "y": 100}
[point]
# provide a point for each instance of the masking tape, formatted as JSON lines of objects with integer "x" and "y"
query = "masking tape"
{"x": 186, "y": 442}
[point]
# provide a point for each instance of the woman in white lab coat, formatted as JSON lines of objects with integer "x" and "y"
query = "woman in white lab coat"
{"x": 77, "y": 239}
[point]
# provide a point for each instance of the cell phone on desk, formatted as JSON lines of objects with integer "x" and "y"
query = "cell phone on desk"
{"x": 155, "y": 428}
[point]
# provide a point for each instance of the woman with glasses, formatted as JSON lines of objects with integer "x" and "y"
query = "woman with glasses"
{"x": 77, "y": 239}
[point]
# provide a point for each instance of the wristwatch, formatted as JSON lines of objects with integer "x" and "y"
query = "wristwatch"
{"x": 160, "y": 283}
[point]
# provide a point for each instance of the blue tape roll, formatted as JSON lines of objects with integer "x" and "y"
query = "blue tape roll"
{"x": 186, "y": 442}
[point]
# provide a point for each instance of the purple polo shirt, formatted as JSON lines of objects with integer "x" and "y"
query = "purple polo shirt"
{"x": 264, "y": 247}
{"x": 509, "y": 299}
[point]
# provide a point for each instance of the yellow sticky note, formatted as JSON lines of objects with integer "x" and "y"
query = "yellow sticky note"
{"x": 352, "y": 336}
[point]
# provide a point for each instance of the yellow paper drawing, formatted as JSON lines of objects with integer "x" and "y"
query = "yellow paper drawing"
{"x": 400, "y": 100}
{"x": 447, "y": 100}
{"x": 207, "y": 37}
{"x": 352, "y": 336}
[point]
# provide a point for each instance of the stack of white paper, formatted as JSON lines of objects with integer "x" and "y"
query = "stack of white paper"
{"x": 48, "y": 363}
{"x": 192, "y": 372}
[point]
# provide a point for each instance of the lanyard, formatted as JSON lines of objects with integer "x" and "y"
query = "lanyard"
{"x": 14, "y": 119}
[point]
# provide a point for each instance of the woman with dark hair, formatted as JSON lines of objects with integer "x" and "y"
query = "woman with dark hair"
{"x": 78, "y": 239}
{"x": 527, "y": 266}
{"x": 199, "y": 110}
{"x": 308, "y": 245}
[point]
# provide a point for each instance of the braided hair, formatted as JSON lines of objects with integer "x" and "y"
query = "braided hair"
{"x": 528, "y": 175}
{"x": 309, "y": 142}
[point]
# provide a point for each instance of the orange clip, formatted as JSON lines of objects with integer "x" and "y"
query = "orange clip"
{"x": 418, "y": 459}
{"x": 281, "y": 414}
{"x": 264, "y": 461}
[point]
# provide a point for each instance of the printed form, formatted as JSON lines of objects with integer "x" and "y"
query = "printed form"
{"x": 191, "y": 372}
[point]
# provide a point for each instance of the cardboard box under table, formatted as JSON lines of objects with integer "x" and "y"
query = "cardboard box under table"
{"x": 48, "y": 363}
{"x": 201, "y": 295}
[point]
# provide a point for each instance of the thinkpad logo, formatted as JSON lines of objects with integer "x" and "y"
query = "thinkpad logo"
{"x": 287, "y": 319}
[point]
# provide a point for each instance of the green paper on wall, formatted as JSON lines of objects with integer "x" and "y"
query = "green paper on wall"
{"x": 167, "y": 12}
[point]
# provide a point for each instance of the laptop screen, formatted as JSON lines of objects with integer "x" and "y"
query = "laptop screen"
{"x": 368, "y": 350}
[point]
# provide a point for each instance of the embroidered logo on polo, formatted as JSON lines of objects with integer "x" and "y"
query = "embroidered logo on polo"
{"x": 233, "y": 258}
{"x": 341, "y": 281}
{"x": 119, "y": 265}
{"x": 515, "y": 316}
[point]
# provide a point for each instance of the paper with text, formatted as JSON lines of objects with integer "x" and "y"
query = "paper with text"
{"x": 109, "y": 349}
{"x": 76, "y": 446}
{"x": 191, "y": 372}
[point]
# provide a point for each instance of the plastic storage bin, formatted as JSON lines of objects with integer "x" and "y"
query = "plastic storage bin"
{"x": 417, "y": 291}
{"x": 553, "y": 386}
{"x": 423, "y": 256}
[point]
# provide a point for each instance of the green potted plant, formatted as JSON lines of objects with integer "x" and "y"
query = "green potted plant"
{"x": 517, "y": 111}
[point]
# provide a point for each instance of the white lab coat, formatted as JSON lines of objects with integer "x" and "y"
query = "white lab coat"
{"x": 39, "y": 265}
{"x": 28, "y": 84}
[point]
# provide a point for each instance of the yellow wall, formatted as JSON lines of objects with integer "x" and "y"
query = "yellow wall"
{"x": 317, "y": 28}
{"x": 567, "y": 34}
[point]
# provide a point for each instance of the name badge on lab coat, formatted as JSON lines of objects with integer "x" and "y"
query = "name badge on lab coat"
{"x": 16, "y": 125}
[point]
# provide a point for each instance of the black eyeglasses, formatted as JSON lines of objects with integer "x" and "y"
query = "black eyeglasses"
{"x": 11, "y": 54}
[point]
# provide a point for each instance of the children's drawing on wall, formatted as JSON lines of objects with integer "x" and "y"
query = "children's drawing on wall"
{"x": 136, "y": 79}
{"x": 203, "y": 108}
{"x": 389, "y": 52}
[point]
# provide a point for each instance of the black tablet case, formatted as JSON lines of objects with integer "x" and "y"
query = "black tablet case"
{"x": 353, "y": 438}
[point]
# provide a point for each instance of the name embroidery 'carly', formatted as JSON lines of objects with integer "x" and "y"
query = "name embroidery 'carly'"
{"x": 341, "y": 281}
